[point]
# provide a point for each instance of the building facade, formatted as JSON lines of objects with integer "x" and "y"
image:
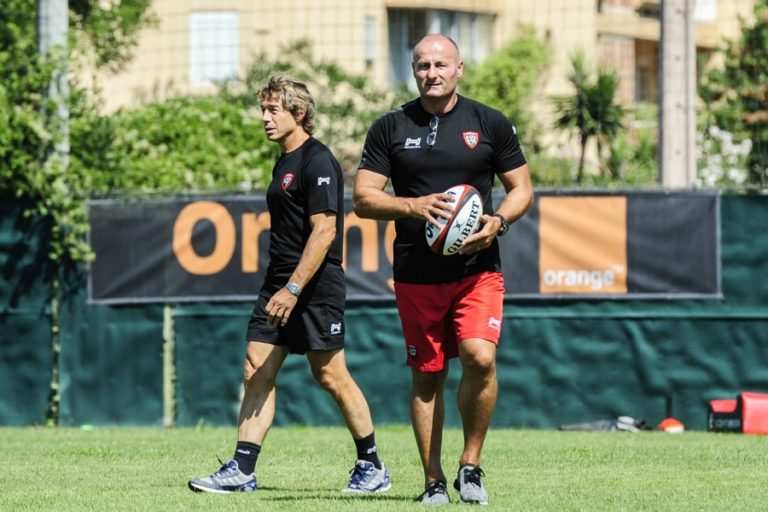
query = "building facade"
{"x": 199, "y": 42}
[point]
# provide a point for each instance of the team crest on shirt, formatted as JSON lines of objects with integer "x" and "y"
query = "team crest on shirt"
{"x": 287, "y": 180}
{"x": 471, "y": 139}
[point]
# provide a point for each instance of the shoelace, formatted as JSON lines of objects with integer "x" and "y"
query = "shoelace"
{"x": 358, "y": 474}
{"x": 223, "y": 469}
{"x": 436, "y": 487}
{"x": 473, "y": 476}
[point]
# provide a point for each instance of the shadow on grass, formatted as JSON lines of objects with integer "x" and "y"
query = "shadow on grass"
{"x": 278, "y": 495}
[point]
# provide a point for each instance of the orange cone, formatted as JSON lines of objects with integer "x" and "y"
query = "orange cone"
{"x": 672, "y": 426}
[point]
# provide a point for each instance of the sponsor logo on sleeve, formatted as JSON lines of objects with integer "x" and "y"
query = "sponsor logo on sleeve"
{"x": 326, "y": 180}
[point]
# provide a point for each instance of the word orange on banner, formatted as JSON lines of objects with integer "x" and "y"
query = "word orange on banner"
{"x": 583, "y": 245}
{"x": 225, "y": 233}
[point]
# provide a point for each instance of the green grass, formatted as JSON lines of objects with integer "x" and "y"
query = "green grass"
{"x": 303, "y": 468}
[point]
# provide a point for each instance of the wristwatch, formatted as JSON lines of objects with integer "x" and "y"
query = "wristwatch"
{"x": 294, "y": 288}
{"x": 504, "y": 225}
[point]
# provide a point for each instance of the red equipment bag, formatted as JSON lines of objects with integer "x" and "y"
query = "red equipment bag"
{"x": 748, "y": 414}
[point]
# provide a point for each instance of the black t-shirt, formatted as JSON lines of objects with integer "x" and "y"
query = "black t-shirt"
{"x": 473, "y": 144}
{"x": 304, "y": 182}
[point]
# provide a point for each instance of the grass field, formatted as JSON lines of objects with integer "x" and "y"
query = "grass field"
{"x": 303, "y": 468}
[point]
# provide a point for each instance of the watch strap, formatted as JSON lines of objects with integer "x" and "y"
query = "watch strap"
{"x": 504, "y": 224}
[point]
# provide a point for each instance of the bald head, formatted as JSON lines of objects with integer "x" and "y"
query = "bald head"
{"x": 439, "y": 42}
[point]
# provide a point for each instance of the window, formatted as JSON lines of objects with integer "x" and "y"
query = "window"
{"x": 705, "y": 10}
{"x": 370, "y": 40}
{"x": 214, "y": 46}
{"x": 471, "y": 31}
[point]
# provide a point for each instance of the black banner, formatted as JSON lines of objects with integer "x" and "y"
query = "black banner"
{"x": 593, "y": 245}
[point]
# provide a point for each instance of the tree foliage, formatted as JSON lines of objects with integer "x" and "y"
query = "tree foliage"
{"x": 28, "y": 129}
{"x": 592, "y": 110}
{"x": 109, "y": 31}
{"x": 183, "y": 144}
{"x": 736, "y": 93}
{"x": 506, "y": 80}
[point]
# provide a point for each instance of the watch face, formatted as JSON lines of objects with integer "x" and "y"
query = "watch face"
{"x": 293, "y": 288}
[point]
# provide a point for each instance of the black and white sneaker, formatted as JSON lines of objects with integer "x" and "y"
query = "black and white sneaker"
{"x": 365, "y": 478}
{"x": 435, "y": 495}
{"x": 469, "y": 483}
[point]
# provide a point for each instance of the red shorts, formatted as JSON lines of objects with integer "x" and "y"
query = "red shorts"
{"x": 437, "y": 317}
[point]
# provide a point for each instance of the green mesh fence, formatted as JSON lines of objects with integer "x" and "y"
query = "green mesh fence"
{"x": 559, "y": 361}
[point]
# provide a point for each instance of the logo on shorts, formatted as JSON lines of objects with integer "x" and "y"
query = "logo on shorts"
{"x": 412, "y": 351}
{"x": 287, "y": 180}
{"x": 494, "y": 323}
{"x": 336, "y": 328}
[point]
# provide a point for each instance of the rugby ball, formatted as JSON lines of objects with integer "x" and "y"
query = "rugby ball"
{"x": 465, "y": 220}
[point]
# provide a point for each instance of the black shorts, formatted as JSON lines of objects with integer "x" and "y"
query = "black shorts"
{"x": 310, "y": 327}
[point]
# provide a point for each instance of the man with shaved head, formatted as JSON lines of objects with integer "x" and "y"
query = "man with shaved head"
{"x": 449, "y": 306}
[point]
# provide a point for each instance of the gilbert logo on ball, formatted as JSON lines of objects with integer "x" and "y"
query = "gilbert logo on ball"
{"x": 464, "y": 221}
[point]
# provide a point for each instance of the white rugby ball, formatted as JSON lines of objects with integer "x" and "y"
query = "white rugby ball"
{"x": 465, "y": 220}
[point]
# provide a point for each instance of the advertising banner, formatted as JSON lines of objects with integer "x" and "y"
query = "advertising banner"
{"x": 576, "y": 245}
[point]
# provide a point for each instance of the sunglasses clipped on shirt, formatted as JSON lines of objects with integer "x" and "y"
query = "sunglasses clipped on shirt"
{"x": 432, "y": 135}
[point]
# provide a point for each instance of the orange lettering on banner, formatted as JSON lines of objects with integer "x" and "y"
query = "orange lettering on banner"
{"x": 369, "y": 238}
{"x": 253, "y": 225}
{"x": 389, "y": 247}
{"x": 583, "y": 245}
{"x": 225, "y": 238}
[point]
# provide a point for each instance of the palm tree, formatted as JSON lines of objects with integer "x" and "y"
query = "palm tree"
{"x": 592, "y": 111}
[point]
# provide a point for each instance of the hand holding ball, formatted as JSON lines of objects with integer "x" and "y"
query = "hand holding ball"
{"x": 463, "y": 222}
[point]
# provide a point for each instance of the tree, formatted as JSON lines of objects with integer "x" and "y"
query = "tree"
{"x": 592, "y": 110}
{"x": 26, "y": 129}
{"x": 110, "y": 30}
{"x": 736, "y": 93}
{"x": 506, "y": 80}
